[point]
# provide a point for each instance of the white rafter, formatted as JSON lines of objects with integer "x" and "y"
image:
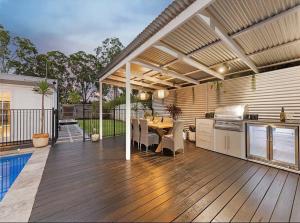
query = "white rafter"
{"x": 243, "y": 31}
{"x": 172, "y": 25}
{"x": 165, "y": 71}
{"x": 212, "y": 23}
{"x": 122, "y": 84}
{"x": 167, "y": 49}
{"x": 288, "y": 44}
{"x": 155, "y": 80}
{"x": 121, "y": 79}
{"x": 147, "y": 76}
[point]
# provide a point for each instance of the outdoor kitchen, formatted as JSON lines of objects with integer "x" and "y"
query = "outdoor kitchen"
{"x": 254, "y": 120}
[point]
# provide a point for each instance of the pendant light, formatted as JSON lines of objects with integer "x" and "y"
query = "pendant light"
{"x": 143, "y": 96}
{"x": 161, "y": 94}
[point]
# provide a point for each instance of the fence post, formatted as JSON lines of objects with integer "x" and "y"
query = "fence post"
{"x": 56, "y": 124}
{"x": 114, "y": 121}
{"x": 83, "y": 122}
{"x": 115, "y": 94}
{"x": 53, "y": 126}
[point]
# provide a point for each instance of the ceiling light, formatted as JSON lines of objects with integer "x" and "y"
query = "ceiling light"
{"x": 223, "y": 68}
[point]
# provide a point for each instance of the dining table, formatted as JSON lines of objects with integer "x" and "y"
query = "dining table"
{"x": 161, "y": 129}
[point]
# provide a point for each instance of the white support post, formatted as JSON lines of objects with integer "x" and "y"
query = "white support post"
{"x": 128, "y": 112}
{"x": 100, "y": 111}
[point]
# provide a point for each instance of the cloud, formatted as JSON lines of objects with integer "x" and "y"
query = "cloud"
{"x": 72, "y": 25}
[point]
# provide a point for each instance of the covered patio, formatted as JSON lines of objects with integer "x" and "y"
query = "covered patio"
{"x": 196, "y": 42}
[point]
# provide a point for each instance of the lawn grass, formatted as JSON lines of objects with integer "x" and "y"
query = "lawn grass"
{"x": 108, "y": 126}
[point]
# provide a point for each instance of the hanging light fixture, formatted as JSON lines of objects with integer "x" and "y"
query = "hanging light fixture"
{"x": 143, "y": 96}
{"x": 161, "y": 94}
{"x": 223, "y": 68}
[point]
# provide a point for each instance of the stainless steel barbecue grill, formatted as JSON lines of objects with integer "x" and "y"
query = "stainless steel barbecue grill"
{"x": 230, "y": 117}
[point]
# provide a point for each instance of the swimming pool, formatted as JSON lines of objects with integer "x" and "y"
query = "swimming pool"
{"x": 10, "y": 168}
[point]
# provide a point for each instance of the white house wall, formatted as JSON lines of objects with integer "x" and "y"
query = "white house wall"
{"x": 22, "y": 97}
{"x": 26, "y": 121}
{"x": 265, "y": 96}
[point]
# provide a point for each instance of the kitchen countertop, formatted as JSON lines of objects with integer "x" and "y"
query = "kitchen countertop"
{"x": 275, "y": 121}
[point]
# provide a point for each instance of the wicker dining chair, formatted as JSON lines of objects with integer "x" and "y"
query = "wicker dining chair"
{"x": 147, "y": 138}
{"x": 174, "y": 141}
{"x": 136, "y": 132}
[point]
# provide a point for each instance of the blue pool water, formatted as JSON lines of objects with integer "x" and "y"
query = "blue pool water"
{"x": 10, "y": 168}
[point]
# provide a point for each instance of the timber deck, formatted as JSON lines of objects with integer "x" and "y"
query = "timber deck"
{"x": 92, "y": 182}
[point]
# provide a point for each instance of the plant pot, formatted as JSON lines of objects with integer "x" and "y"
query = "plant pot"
{"x": 192, "y": 136}
{"x": 40, "y": 140}
{"x": 95, "y": 137}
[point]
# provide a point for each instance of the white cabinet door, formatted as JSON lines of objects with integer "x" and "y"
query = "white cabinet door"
{"x": 220, "y": 141}
{"x": 236, "y": 144}
{"x": 204, "y": 133}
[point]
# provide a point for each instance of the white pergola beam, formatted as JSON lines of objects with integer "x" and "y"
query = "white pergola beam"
{"x": 155, "y": 80}
{"x": 147, "y": 76}
{"x": 268, "y": 20}
{"x": 167, "y": 49}
{"x": 122, "y": 84}
{"x": 250, "y": 28}
{"x": 166, "y": 72}
{"x": 291, "y": 43}
{"x": 212, "y": 23}
{"x": 189, "y": 12}
{"x": 128, "y": 112}
{"x": 121, "y": 79}
{"x": 100, "y": 110}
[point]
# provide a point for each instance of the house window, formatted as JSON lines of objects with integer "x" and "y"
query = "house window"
{"x": 4, "y": 115}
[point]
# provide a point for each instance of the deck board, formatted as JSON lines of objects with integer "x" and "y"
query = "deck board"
{"x": 93, "y": 182}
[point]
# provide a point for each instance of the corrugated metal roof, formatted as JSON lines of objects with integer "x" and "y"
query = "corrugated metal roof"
{"x": 190, "y": 36}
{"x": 278, "y": 32}
{"x": 156, "y": 56}
{"x": 265, "y": 43}
{"x": 173, "y": 10}
{"x": 215, "y": 54}
{"x": 236, "y": 15}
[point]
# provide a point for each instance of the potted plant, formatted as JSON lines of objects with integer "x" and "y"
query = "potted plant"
{"x": 42, "y": 139}
{"x": 174, "y": 111}
{"x": 95, "y": 136}
{"x": 184, "y": 134}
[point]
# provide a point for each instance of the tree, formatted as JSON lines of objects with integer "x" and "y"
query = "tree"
{"x": 57, "y": 68}
{"x": 4, "y": 50}
{"x": 43, "y": 89}
{"x": 85, "y": 68}
{"x": 73, "y": 97}
{"x": 108, "y": 50}
{"x": 105, "y": 53}
{"x": 24, "y": 58}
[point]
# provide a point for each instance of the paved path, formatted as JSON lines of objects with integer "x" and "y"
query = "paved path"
{"x": 70, "y": 133}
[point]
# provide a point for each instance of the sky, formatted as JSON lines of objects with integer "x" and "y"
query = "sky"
{"x": 73, "y": 25}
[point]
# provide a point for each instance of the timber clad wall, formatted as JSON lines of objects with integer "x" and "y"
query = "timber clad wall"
{"x": 265, "y": 95}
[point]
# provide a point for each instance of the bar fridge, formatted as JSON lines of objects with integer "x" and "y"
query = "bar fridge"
{"x": 276, "y": 144}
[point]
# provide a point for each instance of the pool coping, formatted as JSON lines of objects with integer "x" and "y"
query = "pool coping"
{"x": 17, "y": 204}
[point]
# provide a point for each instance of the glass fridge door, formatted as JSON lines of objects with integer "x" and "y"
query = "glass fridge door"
{"x": 257, "y": 141}
{"x": 284, "y": 145}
